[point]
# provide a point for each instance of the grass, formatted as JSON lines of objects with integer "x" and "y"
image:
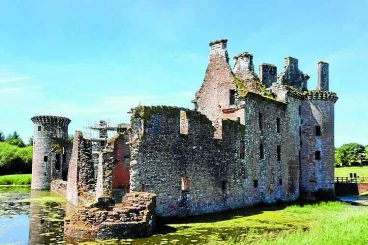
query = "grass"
{"x": 324, "y": 223}
{"x": 345, "y": 171}
{"x": 16, "y": 179}
{"x": 347, "y": 227}
{"x": 281, "y": 224}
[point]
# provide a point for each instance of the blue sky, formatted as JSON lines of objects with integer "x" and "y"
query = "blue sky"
{"x": 91, "y": 60}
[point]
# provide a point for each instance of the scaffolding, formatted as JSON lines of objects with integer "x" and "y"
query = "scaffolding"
{"x": 102, "y": 130}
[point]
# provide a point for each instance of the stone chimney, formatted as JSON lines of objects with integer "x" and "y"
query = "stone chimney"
{"x": 267, "y": 74}
{"x": 323, "y": 76}
{"x": 291, "y": 63}
{"x": 243, "y": 64}
{"x": 218, "y": 49}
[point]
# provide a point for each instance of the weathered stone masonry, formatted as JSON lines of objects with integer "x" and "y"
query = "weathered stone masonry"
{"x": 50, "y": 150}
{"x": 251, "y": 138}
{"x": 220, "y": 178}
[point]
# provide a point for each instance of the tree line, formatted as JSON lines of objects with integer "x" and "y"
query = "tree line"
{"x": 351, "y": 154}
{"x": 15, "y": 155}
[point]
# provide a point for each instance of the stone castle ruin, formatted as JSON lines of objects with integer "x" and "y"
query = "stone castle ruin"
{"x": 250, "y": 139}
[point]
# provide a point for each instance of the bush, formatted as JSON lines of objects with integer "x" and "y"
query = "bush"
{"x": 14, "y": 159}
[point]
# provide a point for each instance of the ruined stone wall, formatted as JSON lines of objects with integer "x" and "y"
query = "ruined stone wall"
{"x": 292, "y": 76}
{"x": 81, "y": 182}
{"x": 58, "y": 186}
{"x": 135, "y": 217}
{"x": 195, "y": 174}
{"x": 318, "y": 110}
{"x": 161, "y": 156}
{"x": 48, "y": 132}
{"x": 104, "y": 174}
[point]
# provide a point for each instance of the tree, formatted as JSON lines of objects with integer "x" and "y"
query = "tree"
{"x": 30, "y": 141}
{"x": 2, "y": 137}
{"x": 338, "y": 157}
{"x": 14, "y": 159}
{"x": 14, "y": 139}
{"x": 349, "y": 154}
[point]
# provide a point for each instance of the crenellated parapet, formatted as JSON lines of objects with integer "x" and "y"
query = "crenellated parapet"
{"x": 51, "y": 120}
{"x": 321, "y": 95}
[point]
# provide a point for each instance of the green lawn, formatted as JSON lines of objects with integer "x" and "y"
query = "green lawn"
{"x": 323, "y": 223}
{"x": 345, "y": 171}
{"x": 16, "y": 179}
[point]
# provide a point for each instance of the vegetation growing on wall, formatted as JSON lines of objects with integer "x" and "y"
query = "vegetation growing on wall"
{"x": 242, "y": 90}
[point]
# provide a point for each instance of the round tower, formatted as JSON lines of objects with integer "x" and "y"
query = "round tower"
{"x": 49, "y": 135}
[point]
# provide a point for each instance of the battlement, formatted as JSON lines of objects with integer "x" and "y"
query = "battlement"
{"x": 52, "y": 120}
{"x": 321, "y": 95}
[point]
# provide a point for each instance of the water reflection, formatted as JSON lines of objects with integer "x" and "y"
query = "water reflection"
{"x": 37, "y": 217}
{"x": 46, "y": 222}
{"x": 14, "y": 219}
{"x": 30, "y": 217}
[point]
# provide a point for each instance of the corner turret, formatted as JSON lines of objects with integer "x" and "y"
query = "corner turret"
{"x": 50, "y": 135}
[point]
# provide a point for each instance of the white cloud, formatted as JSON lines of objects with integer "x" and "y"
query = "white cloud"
{"x": 12, "y": 79}
{"x": 9, "y": 90}
{"x": 109, "y": 106}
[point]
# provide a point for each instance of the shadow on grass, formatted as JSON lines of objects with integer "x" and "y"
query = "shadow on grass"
{"x": 163, "y": 224}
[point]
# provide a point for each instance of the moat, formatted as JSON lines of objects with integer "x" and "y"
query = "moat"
{"x": 37, "y": 217}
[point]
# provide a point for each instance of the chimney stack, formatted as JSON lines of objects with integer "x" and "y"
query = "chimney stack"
{"x": 291, "y": 63}
{"x": 243, "y": 64}
{"x": 267, "y": 74}
{"x": 218, "y": 48}
{"x": 323, "y": 76}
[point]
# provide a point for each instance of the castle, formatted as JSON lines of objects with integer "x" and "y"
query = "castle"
{"x": 250, "y": 139}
